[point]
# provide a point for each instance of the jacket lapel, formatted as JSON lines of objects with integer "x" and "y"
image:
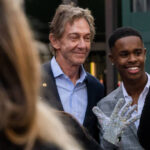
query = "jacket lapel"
{"x": 50, "y": 91}
{"x": 89, "y": 103}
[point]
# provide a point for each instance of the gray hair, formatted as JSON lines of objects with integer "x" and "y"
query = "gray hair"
{"x": 69, "y": 13}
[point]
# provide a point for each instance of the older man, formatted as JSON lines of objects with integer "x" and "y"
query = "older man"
{"x": 67, "y": 86}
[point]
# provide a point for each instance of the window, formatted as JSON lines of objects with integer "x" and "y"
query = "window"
{"x": 140, "y": 5}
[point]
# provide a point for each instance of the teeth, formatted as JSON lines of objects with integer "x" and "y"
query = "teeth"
{"x": 133, "y": 68}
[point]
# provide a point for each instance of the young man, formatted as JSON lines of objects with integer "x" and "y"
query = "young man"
{"x": 128, "y": 54}
{"x": 66, "y": 85}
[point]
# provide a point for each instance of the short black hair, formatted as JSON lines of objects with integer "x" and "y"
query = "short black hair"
{"x": 122, "y": 32}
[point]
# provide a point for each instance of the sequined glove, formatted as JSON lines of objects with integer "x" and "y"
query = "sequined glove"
{"x": 120, "y": 118}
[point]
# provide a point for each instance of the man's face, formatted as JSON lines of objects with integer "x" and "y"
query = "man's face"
{"x": 128, "y": 55}
{"x": 74, "y": 46}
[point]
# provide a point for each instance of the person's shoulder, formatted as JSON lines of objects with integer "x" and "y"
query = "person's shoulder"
{"x": 148, "y": 74}
{"x": 95, "y": 87}
{"x": 46, "y": 72}
{"x": 46, "y": 69}
{"x": 110, "y": 98}
{"x": 45, "y": 65}
{"x": 93, "y": 80}
{"x": 91, "y": 76}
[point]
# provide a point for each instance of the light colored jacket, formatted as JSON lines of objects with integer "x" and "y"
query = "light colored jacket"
{"x": 129, "y": 139}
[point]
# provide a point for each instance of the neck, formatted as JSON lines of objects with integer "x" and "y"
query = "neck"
{"x": 72, "y": 71}
{"x": 134, "y": 89}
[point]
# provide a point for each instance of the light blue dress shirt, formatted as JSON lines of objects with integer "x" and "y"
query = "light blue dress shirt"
{"x": 73, "y": 97}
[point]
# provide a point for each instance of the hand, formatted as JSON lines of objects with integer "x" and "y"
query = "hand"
{"x": 120, "y": 118}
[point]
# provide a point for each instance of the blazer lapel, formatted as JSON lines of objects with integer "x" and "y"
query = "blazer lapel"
{"x": 119, "y": 94}
{"x": 133, "y": 128}
{"x": 91, "y": 101}
{"x": 49, "y": 91}
{"x": 88, "y": 104}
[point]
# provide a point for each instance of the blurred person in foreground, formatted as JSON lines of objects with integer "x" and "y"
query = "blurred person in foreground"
{"x": 66, "y": 84}
{"x": 25, "y": 122}
{"x": 144, "y": 125}
{"x": 128, "y": 54}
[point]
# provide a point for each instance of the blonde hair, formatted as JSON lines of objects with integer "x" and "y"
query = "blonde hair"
{"x": 19, "y": 65}
{"x": 22, "y": 118}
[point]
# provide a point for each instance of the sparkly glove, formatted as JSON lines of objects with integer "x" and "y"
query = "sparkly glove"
{"x": 120, "y": 118}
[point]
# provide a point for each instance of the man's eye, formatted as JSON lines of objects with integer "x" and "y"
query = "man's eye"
{"x": 123, "y": 54}
{"x": 74, "y": 37}
{"x": 137, "y": 53}
{"x": 87, "y": 39}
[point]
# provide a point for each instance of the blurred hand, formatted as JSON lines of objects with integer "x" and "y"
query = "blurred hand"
{"x": 120, "y": 118}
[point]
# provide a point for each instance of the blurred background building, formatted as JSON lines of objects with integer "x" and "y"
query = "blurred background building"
{"x": 108, "y": 14}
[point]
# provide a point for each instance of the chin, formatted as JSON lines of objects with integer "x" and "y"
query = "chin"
{"x": 80, "y": 61}
{"x": 135, "y": 78}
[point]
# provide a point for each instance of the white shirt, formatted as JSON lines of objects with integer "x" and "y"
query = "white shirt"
{"x": 141, "y": 99}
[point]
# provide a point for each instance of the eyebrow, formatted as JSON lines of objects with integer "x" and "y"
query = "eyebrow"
{"x": 134, "y": 49}
{"x": 79, "y": 33}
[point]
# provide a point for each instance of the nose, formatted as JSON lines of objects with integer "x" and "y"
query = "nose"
{"x": 132, "y": 58}
{"x": 82, "y": 43}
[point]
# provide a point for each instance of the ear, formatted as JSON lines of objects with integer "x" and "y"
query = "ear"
{"x": 111, "y": 57}
{"x": 54, "y": 41}
{"x": 145, "y": 52}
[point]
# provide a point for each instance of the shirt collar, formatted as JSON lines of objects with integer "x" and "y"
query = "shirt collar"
{"x": 124, "y": 90}
{"x": 55, "y": 68}
{"x": 146, "y": 88}
{"x": 57, "y": 71}
{"x": 82, "y": 74}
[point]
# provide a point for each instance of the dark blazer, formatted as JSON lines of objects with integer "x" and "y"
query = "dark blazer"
{"x": 144, "y": 126}
{"x": 95, "y": 92}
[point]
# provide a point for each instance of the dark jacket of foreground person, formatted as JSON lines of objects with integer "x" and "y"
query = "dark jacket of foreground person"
{"x": 144, "y": 126}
